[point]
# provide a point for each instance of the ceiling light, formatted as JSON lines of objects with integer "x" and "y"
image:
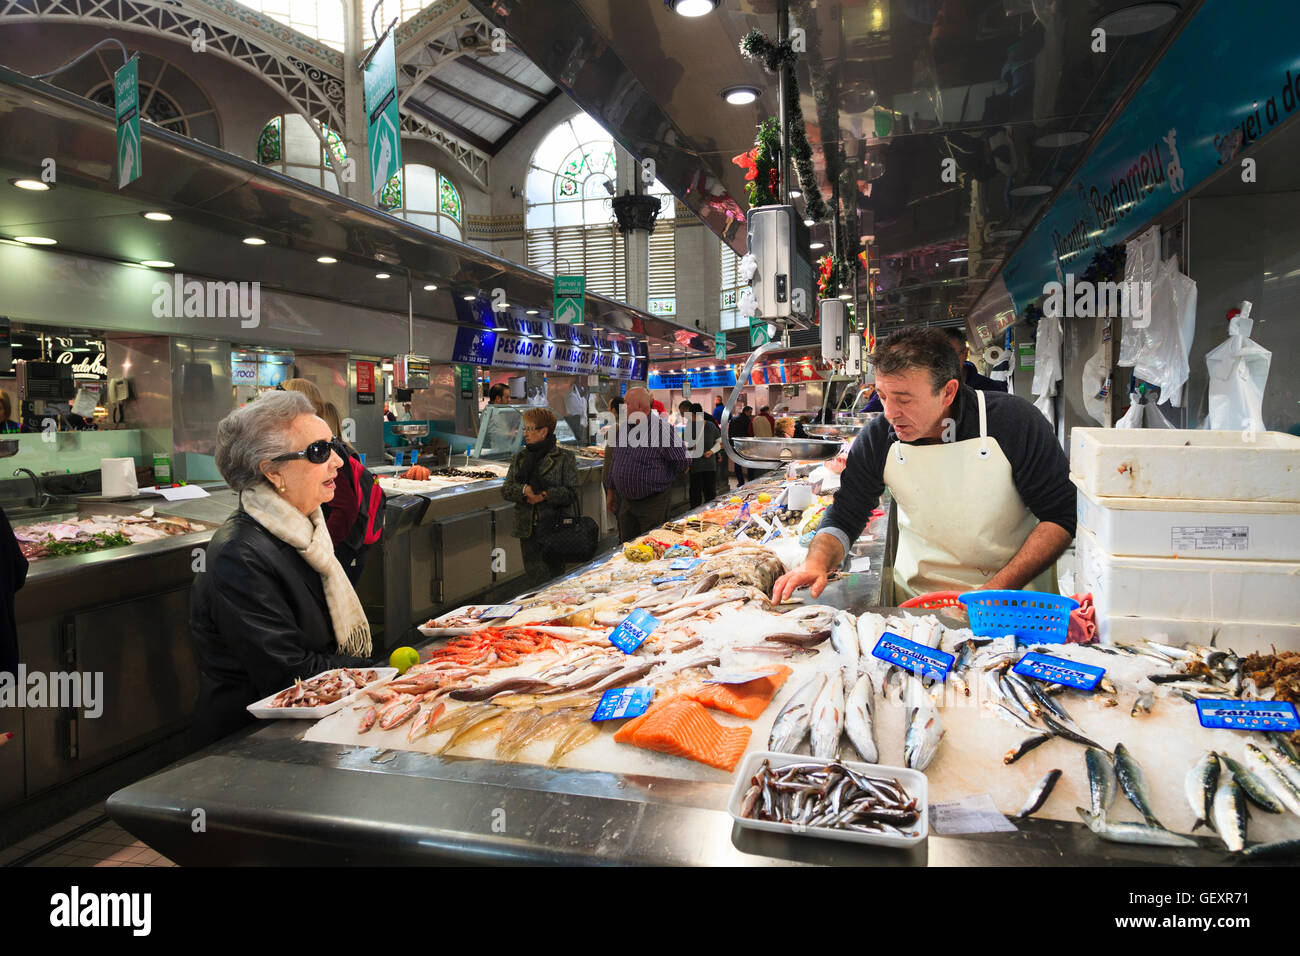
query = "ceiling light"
{"x": 157, "y": 216}
{"x": 430, "y": 287}
{"x": 692, "y": 8}
{"x": 817, "y": 245}
{"x": 326, "y": 260}
{"x": 35, "y": 240}
{"x": 809, "y": 222}
{"x": 740, "y": 95}
{"x": 157, "y": 263}
{"x": 1067, "y": 137}
{"x": 382, "y": 275}
{"x": 254, "y": 241}
{"x": 795, "y": 194}
{"x": 33, "y": 185}
{"x": 846, "y": 296}
{"x": 1138, "y": 18}
{"x": 1031, "y": 190}
{"x": 958, "y": 258}
{"x": 531, "y": 312}
{"x": 469, "y": 298}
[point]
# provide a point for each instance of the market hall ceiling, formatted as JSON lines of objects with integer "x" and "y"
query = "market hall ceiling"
{"x": 1011, "y": 91}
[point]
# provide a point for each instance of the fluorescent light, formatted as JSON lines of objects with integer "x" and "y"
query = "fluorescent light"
{"x": 959, "y": 258}
{"x": 157, "y": 216}
{"x": 430, "y": 287}
{"x": 35, "y": 241}
{"x": 382, "y": 275}
{"x": 32, "y": 185}
{"x": 740, "y": 95}
{"x": 326, "y": 260}
{"x": 254, "y": 241}
{"x": 157, "y": 263}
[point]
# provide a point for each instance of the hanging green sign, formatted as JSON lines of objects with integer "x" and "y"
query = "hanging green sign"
{"x": 760, "y": 333}
{"x": 465, "y": 376}
{"x": 719, "y": 345}
{"x": 568, "y": 300}
{"x": 126, "y": 96}
{"x": 383, "y": 126}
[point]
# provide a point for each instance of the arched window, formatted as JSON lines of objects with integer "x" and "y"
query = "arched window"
{"x": 289, "y": 145}
{"x": 425, "y": 196}
{"x": 570, "y": 223}
{"x": 168, "y": 97}
{"x": 731, "y": 287}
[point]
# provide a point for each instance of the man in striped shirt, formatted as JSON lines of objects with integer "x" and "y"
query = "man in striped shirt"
{"x": 647, "y": 455}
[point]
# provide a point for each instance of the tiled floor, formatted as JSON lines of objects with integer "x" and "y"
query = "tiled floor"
{"x": 106, "y": 845}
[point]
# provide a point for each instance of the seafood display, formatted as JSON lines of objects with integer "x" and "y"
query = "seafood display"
{"x": 324, "y": 688}
{"x": 830, "y": 795}
{"x": 84, "y": 533}
{"x": 418, "y": 478}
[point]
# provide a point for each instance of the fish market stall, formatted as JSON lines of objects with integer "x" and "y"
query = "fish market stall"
{"x": 486, "y": 750}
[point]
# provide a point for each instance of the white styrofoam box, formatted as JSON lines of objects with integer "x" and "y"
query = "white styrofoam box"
{"x": 1185, "y": 463}
{"x": 1187, "y": 589}
{"x": 1242, "y": 637}
{"x": 1193, "y": 528}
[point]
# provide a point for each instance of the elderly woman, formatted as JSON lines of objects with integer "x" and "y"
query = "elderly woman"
{"x": 273, "y": 604}
{"x": 542, "y": 482}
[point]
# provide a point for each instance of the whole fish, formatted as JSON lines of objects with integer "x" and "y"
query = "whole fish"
{"x": 799, "y": 639}
{"x": 1038, "y": 796}
{"x": 924, "y": 728}
{"x": 1283, "y": 742}
{"x": 1023, "y": 694}
{"x": 828, "y": 719}
{"x": 1143, "y": 704}
{"x": 844, "y": 638}
{"x": 1275, "y": 784}
{"x": 1008, "y": 716}
{"x": 1026, "y": 745}
{"x": 1229, "y": 811}
{"x": 1286, "y": 764}
{"x": 870, "y": 627}
{"x": 1134, "y": 784}
{"x": 1133, "y": 832}
{"x": 1012, "y": 701}
{"x": 1045, "y": 699}
{"x": 1278, "y": 850}
{"x": 926, "y": 630}
{"x": 1102, "y": 785}
{"x": 1058, "y": 728}
{"x": 794, "y": 719}
{"x": 1199, "y": 787}
{"x": 518, "y": 685}
{"x": 859, "y": 721}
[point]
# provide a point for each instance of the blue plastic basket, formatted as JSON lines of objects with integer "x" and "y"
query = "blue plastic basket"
{"x": 1034, "y": 617}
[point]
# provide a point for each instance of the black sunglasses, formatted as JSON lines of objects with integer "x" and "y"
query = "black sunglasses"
{"x": 318, "y": 452}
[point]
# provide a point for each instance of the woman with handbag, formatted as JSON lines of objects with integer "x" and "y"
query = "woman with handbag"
{"x": 543, "y": 483}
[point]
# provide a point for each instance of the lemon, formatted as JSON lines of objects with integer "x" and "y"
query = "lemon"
{"x": 733, "y": 500}
{"x": 404, "y": 658}
{"x": 764, "y": 498}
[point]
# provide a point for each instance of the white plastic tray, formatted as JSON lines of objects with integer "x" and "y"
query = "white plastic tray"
{"x": 436, "y": 631}
{"x": 264, "y": 711}
{"x": 913, "y": 781}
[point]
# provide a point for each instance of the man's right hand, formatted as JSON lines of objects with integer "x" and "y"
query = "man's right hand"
{"x": 611, "y": 502}
{"x": 803, "y": 576}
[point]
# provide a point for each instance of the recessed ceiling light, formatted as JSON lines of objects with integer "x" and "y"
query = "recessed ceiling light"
{"x": 35, "y": 241}
{"x": 254, "y": 241}
{"x": 1138, "y": 18}
{"x": 382, "y": 275}
{"x": 531, "y": 312}
{"x": 157, "y": 216}
{"x": 430, "y": 287}
{"x": 326, "y": 260}
{"x": 809, "y": 222}
{"x": 692, "y": 8}
{"x": 157, "y": 263}
{"x": 816, "y": 245}
{"x": 32, "y": 185}
{"x": 740, "y": 95}
{"x": 1068, "y": 137}
{"x": 469, "y": 298}
{"x": 1031, "y": 190}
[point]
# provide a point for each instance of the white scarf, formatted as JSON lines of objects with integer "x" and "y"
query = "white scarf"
{"x": 311, "y": 538}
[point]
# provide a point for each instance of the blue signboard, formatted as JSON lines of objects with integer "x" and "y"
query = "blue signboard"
{"x": 1227, "y": 80}
{"x": 533, "y": 350}
{"x": 1056, "y": 670}
{"x": 633, "y": 630}
{"x": 623, "y": 702}
{"x": 1257, "y": 715}
{"x": 723, "y": 378}
{"x": 928, "y": 662}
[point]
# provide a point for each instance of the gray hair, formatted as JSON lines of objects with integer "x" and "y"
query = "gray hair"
{"x": 255, "y": 433}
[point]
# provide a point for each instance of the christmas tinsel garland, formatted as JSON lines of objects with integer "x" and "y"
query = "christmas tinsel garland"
{"x": 762, "y": 181}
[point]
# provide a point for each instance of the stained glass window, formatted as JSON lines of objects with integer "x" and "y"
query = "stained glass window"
{"x": 289, "y": 144}
{"x": 390, "y": 197}
{"x": 448, "y": 198}
{"x": 268, "y": 144}
{"x": 426, "y": 197}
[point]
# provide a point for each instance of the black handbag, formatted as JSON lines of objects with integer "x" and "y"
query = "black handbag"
{"x": 570, "y": 537}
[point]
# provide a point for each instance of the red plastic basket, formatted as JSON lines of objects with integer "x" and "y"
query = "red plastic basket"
{"x": 935, "y": 600}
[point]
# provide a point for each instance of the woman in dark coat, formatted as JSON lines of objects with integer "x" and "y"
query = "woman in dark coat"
{"x": 272, "y": 604}
{"x": 543, "y": 484}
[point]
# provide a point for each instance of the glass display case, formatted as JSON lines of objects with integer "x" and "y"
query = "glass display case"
{"x": 501, "y": 431}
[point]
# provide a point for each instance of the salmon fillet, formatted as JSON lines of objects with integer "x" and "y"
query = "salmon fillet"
{"x": 683, "y": 728}
{"x": 747, "y": 700}
{"x": 625, "y": 733}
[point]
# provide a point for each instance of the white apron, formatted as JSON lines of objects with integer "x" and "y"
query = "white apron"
{"x": 960, "y": 518}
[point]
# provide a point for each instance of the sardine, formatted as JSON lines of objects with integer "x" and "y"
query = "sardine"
{"x": 1199, "y": 786}
{"x": 924, "y": 728}
{"x": 1229, "y": 810}
{"x": 1045, "y": 699}
{"x": 1061, "y": 730}
{"x": 1102, "y": 785}
{"x": 1038, "y": 796}
{"x": 1012, "y": 701}
{"x": 844, "y": 638}
{"x": 828, "y": 719}
{"x": 1024, "y": 696}
{"x": 1143, "y": 704}
{"x": 1278, "y": 850}
{"x": 1286, "y": 764}
{"x": 1283, "y": 742}
{"x": 1276, "y": 785}
{"x": 792, "y": 723}
{"x": 1134, "y": 784}
{"x": 858, "y": 720}
{"x": 1003, "y": 714}
{"x": 1133, "y": 832}
{"x": 1026, "y": 745}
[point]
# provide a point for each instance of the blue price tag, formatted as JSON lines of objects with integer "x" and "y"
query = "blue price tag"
{"x": 925, "y": 661}
{"x": 363, "y": 459}
{"x": 685, "y": 564}
{"x": 1056, "y": 670}
{"x": 623, "y": 702}
{"x": 671, "y": 577}
{"x": 631, "y": 634}
{"x": 1257, "y": 715}
{"x": 498, "y": 610}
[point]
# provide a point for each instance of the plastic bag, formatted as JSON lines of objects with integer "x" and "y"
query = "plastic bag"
{"x": 1161, "y": 359}
{"x": 1095, "y": 375}
{"x": 1141, "y": 257}
{"x": 1131, "y": 418}
{"x": 1047, "y": 365}
{"x": 1238, "y": 374}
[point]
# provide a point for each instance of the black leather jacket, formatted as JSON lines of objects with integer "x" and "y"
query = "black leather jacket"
{"x": 258, "y": 620}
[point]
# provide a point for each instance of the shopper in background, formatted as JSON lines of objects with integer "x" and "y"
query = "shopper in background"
{"x": 738, "y": 427}
{"x": 500, "y": 435}
{"x": 7, "y": 412}
{"x": 785, "y": 428}
{"x": 762, "y": 425}
{"x": 684, "y": 415}
{"x": 971, "y": 377}
{"x": 657, "y": 407}
{"x": 704, "y": 438}
{"x": 648, "y": 455}
{"x": 718, "y": 408}
{"x": 542, "y": 482}
{"x": 13, "y": 574}
{"x": 274, "y": 605}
